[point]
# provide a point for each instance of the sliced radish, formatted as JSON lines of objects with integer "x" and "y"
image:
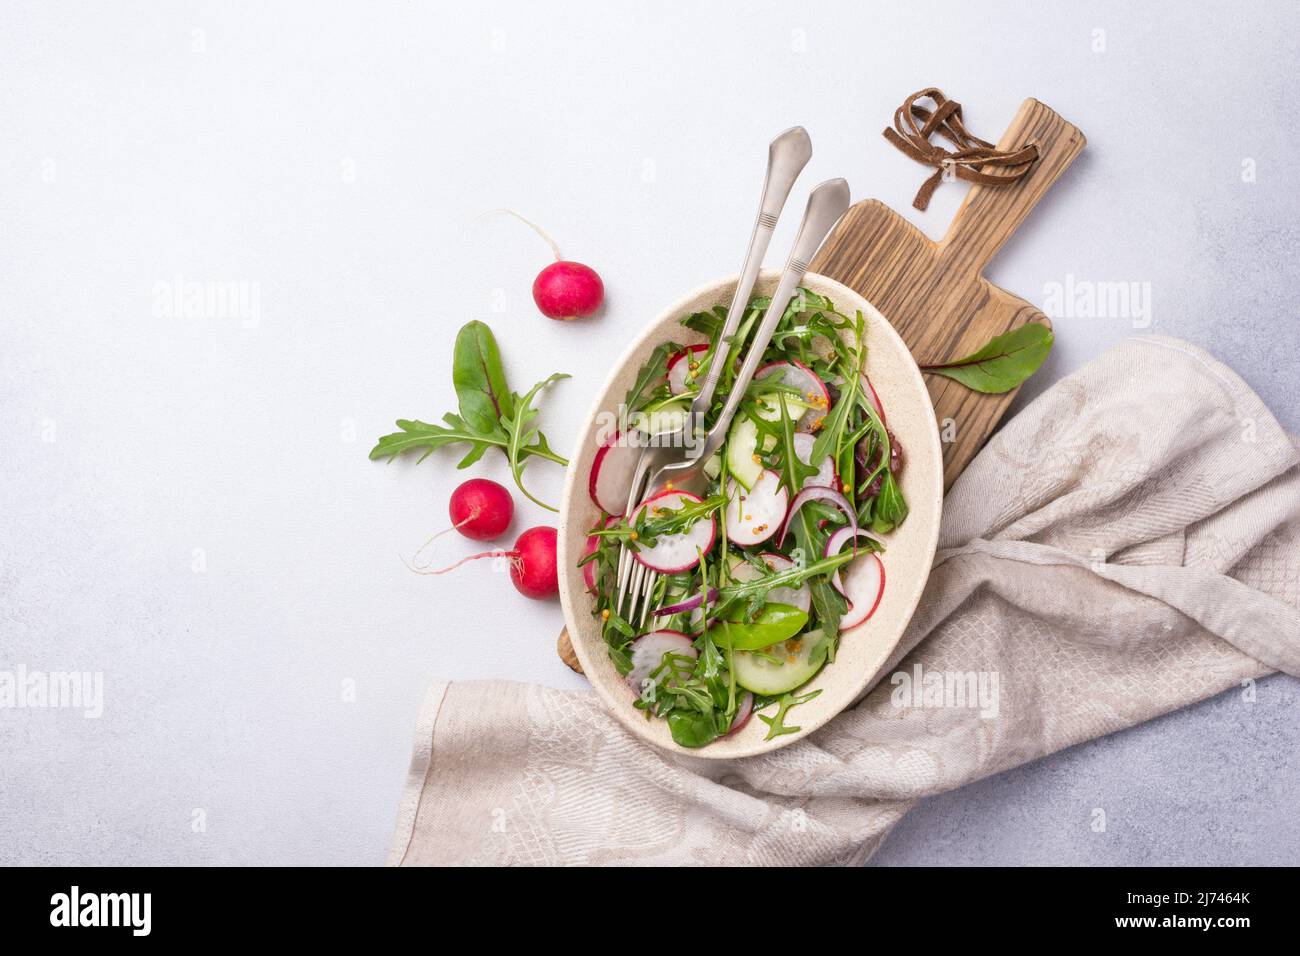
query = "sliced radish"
{"x": 755, "y": 515}
{"x": 680, "y": 379}
{"x": 812, "y": 390}
{"x": 826, "y": 476}
{"x": 589, "y": 569}
{"x": 800, "y": 597}
{"x": 674, "y": 553}
{"x": 648, "y": 652}
{"x": 611, "y": 474}
{"x": 836, "y": 542}
{"x": 863, "y": 580}
{"x": 863, "y": 584}
{"x": 744, "y": 710}
{"x": 869, "y": 391}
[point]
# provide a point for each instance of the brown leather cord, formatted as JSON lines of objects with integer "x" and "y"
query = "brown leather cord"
{"x": 966, "y": 160}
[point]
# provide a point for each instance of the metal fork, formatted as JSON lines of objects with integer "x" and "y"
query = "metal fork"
{"x": 826, "y": 205}
{"x": 828, "y": 202}
{"x": 787, "y": 155}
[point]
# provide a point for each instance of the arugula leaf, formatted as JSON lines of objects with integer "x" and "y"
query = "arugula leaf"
{"x": 655, "y": 368}
{"x": 491, "y": 416}
{"x": 793, "y": 471}
{"x": 618, "y": 634}
{"x": 891, "y": 508}
{"x": 829, "y": 606}
{"x": 832, "y": 430}
{"x": 417, "y": 434}
{"x": 479, "y": 377}
{"x": 1003, "y": 362}
{"x": 807, "y": 317}
{"x": 707, "y": 323}
{"x": 776, "y": 725}
{"x": 793, "y": 577}
{"x": 524, "y": 438}
{"x": 656, "y": 521}
{"x": 831, "y": 438}
{"x": 691, "y": 728}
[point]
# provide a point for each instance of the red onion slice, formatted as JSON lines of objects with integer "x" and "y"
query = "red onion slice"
{"x": 818, "y": 493}
{"x": 690, "y": 604}
{"x": 837, "y": 541}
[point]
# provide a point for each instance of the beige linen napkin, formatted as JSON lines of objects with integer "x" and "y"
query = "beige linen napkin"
{"x": 1127, "y": 545}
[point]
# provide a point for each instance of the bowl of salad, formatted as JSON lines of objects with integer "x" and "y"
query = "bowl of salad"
{"x": 784, "y": 587}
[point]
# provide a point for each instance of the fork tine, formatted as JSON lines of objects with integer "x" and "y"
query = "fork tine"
{"x": 652, "y": 579}
{"x": 624, "y": 570}
{"x": 625, "y": 559}
{"x": 634, "y": 591}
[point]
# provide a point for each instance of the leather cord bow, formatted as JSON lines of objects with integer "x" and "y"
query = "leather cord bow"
{"x": 966, "y": 160}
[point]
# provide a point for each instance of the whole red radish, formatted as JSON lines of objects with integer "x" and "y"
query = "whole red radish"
{"x": 481, "y": 509}
{"x": 565, "y": 289}
{"x": 533, "y": 564}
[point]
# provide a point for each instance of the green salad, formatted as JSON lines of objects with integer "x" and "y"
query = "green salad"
{"x": 763, "y": 575}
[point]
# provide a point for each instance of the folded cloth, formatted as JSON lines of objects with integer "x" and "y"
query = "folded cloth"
{"x": 1127, "y": 545}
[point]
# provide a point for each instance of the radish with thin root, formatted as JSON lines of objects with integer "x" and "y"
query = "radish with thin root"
{"x": 565, "y": 289}
{"x": 533, "y": 564}
{"x": 480, "y": 510}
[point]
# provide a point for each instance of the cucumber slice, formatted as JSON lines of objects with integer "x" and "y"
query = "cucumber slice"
{"x": 713, "y": 466}
{"x": 742, "y": 440}
{"x": 663, "y": 420}
{"x": 769, "y": 408}
{"x": 801, "y": 657}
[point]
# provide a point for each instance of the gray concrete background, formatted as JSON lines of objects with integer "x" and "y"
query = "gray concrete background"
{"x": 188, "y": 505}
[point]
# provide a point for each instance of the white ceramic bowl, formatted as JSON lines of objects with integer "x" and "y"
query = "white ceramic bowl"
{"x": 910, "y": 548}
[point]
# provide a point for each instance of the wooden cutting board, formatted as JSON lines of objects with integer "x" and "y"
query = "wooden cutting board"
{"x": 934, "y": 294}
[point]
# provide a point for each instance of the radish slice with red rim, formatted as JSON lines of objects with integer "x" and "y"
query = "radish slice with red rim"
{"x": 863, "y": 580}
{"x": 648, "y": 652}
{"x": 812, "y": 390}
{"x": 863, "y": 585}
{"x": 674, "y": 553}
{"x": 593, "y": 542}
{"x": 753, "y": 516}
{"x": 827, "y": 476}
{"x": 611, "y": 473}
{"x": 680, "y": 379}
{"x": 744, "y": 710}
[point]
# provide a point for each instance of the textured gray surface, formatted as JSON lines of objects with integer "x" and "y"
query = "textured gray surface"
{"x": 188, "y": 507}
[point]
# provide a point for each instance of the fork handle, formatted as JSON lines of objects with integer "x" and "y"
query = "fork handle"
{"x": 826, "y": 205}
{"x": 787, "y": 155}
